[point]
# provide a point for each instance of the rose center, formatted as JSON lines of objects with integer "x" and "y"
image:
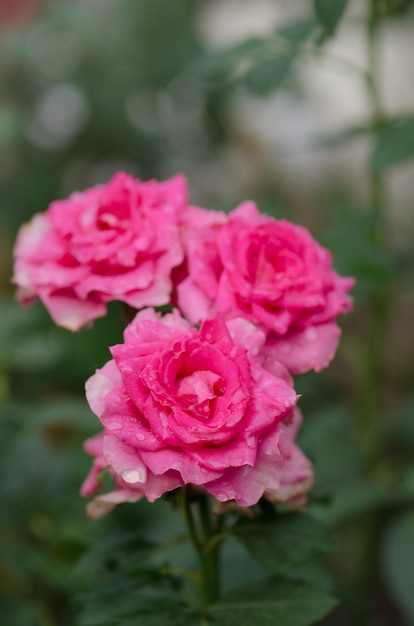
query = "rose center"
{"x": 113, "y": 216}
{"x": 199, "y": 390}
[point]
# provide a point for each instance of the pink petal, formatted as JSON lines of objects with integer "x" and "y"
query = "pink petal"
{"x": 124, "y": 460}
{"x": 302, "y": 350}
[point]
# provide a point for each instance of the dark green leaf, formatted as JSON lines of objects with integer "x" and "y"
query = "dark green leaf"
{"x": 329, "y": 13}
{"x": 342, "y": 137}
{"x": 298, "y": 31}
{"x": 399, "y": 562}
{"x": 275, "y": 601}
{"x": 268, "y": 75}
{"x": 220, "y": 65}
{"x": 135, "y": 603}
{"x": 284, "y": 541}
{"x": 125, "y": 552}
{"x": 395, "y": 145}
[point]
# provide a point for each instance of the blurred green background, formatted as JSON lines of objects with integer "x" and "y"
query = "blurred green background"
{"x": 305, "y": 107}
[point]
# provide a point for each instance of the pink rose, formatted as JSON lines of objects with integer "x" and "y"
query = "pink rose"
{"x": 202, "y": 407}
{"x": 272, "y": 273}
{"x": 118, "y": 241}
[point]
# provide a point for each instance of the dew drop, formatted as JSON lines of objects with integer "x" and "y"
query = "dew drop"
{"x": 114, "y": 425}
{"x": 132, "y": 476}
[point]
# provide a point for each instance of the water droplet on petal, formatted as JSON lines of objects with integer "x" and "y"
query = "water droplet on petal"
{"x": 132, "y": 476}
{"x": 113, "y": 424}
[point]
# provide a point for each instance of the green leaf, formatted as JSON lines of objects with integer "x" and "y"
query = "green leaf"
{"x": 398, "y": 561}
{"x": 135, "y": 602}
{"x": 221, "y": 65}
{"x": 122, "y": 552}
{"x": 268, "y": 75}
{"x": 329, "y": 13}
{"x": 394, "y": 146}
{"x": 298, "y": 31}
{"x": 284, "y": 541}
{"x": 275, "y": 601}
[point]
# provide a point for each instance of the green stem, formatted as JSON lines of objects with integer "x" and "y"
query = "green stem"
{"x": 211, "y": 552}
{"x": 373, "y": 61}
{"x": 207, "y": 551}
{"x": 371, "y": 383}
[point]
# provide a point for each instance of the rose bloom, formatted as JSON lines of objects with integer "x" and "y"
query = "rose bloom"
{"x": 118, "y": 241}
{"x": 270, "y": 272}
{"x": 202, "y": 407}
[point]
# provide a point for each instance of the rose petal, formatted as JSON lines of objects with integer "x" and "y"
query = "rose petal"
{"x": 302, "y": 350}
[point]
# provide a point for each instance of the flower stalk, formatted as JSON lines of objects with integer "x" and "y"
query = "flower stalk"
{"x": 207, "y": 550}
{"x": 374, "y": 357}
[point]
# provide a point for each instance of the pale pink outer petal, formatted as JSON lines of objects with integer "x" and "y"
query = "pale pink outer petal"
{"x": 281, "y": 471}
{"x": 303, "y": 350}
{"x": 99, "y": 385}
{"x": 193, "y": 301}
{"x": 70, "y": 312}
{"x": 124, "y": 460}
{"x": 197, "y": 284}
{"x": 247, "y": 335}
{"x": 93, "y": 447}
{"x": 297, "y": 473}
{"x": 248, "y": 212}
{"x": 29, "y": 238}
{"x": 104, "y": 503}
{"x": 160, "y": 462}
{"x": 247, "y": 484}
{"x": 199, "y": 218}
{"x": 31, "y": 235}
{"x": 156, "y": 486}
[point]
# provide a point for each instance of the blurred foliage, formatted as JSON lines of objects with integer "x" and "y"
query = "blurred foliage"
{"x": 86, "y": 88}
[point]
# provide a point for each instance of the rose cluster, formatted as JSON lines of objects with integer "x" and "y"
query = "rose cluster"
{"x": 203, "y": 395}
